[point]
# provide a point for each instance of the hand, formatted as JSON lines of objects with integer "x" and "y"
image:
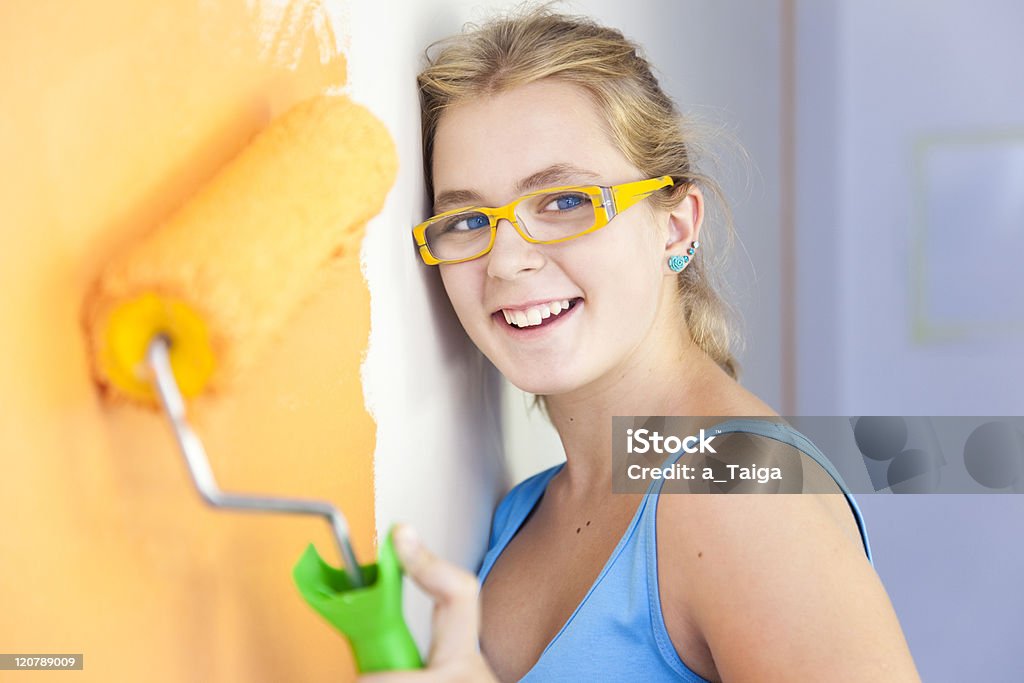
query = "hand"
{"x": 454, "y": 648}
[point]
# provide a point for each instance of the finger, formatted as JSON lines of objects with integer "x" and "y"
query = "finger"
{"x": 456, "y": 597}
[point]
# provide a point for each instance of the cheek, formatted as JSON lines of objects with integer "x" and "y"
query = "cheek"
{"x": 450, "y": 281}
{"x": 627, "y": 258}
{"x": 622, "y": 277}
{"x": 461, "y": 283}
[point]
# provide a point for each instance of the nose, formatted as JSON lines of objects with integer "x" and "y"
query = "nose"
{"x": 512, "y": 255}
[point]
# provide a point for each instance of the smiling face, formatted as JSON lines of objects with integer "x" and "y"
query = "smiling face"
{"x": 549, "y": 131}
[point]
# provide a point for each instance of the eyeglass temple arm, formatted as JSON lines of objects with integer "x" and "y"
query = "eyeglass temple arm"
{"x": 628, "y": 196}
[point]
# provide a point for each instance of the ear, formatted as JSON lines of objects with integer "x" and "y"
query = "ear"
{"x": 684, "y": 223}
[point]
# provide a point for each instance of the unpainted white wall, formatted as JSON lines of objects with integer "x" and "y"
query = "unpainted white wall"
{"x": 876, "y": 80}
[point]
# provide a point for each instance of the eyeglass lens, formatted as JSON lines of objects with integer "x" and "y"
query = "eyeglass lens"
{"x": 544, "y": 217}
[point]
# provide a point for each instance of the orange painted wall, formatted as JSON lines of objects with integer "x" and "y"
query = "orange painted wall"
{"x": 114, "y": 112}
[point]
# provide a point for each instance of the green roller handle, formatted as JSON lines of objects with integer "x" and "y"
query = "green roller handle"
{"x": 369, "y": 617}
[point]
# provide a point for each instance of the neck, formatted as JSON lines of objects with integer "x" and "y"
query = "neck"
{"x": 668, "y": 374}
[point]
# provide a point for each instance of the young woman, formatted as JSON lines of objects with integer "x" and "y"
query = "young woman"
{"x": 570, "y": 237}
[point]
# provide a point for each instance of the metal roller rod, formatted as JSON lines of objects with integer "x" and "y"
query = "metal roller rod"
{"x": 158, "y": 358}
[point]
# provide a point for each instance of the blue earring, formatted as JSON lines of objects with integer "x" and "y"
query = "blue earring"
{"x": 677, "y": 263}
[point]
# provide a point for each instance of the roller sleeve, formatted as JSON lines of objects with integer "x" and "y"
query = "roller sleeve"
{"x": 225, "y": 271}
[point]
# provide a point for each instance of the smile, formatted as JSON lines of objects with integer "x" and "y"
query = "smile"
{"x": 539, "y": 316}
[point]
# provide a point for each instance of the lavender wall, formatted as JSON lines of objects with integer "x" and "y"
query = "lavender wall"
{"x": 880, "y": 86}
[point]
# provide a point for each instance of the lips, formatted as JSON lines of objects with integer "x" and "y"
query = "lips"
{"x": 537, "y": 317}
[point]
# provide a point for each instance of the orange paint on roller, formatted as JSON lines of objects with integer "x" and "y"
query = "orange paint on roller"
{"x": 222, "y": 275}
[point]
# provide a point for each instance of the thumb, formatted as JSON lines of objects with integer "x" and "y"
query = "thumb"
{"x": 454, "y": 590}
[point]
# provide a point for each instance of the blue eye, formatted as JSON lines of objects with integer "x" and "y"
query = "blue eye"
{"x": 466, "y": 223}
{"x": 566, "y": 202}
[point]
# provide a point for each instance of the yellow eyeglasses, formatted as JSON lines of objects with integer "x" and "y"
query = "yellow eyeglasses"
{"x": 557, "y": 214}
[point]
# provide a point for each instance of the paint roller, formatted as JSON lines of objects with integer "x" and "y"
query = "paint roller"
{"x": 188, "y": 308}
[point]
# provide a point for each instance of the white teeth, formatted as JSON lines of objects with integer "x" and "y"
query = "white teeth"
{"x": 534, "y": 316}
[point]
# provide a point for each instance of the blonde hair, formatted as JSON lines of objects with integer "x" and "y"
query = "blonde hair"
{"x": 530, "y": 44}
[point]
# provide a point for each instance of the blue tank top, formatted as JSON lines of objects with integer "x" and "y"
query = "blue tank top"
{"x": 617, "y": 632}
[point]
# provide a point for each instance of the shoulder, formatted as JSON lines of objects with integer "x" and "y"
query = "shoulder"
{"x": 776, "y": 589}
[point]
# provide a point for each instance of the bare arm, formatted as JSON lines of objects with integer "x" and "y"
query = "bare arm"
{"x": 777, "y": 590}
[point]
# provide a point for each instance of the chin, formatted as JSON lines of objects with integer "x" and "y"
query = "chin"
{"x": 545, "y": 385}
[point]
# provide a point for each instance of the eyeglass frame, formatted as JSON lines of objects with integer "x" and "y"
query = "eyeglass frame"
{"x": 614, "y": 199}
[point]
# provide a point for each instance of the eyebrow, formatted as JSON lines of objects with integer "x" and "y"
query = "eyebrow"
{"x": 555, "y": 174}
